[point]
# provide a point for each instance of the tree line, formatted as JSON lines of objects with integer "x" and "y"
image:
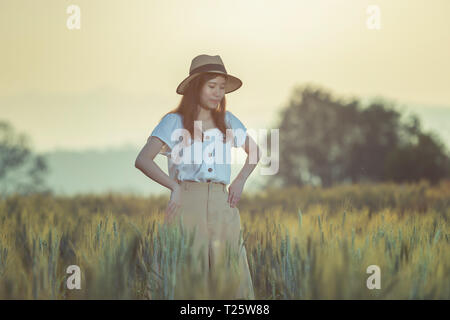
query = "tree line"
{"x": 324, "y": 140}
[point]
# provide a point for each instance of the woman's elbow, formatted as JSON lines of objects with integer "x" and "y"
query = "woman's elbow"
{"x": 141, "y": 161}
{"x": 137, "y": 163}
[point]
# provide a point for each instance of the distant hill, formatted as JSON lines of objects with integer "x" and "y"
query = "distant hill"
{"x": 98, "y": 171}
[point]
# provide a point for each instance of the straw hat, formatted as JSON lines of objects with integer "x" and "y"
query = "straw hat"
{"x": 205, "y": 63}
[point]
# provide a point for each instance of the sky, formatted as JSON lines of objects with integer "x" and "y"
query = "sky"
{"x": 108, "y": 83}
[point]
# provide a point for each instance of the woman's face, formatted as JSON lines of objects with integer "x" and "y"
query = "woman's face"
{"x": 212, "y": 92}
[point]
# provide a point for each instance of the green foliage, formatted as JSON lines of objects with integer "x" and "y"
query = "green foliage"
{"x": 325, "y": 141}
{"x": 21, "y": 171}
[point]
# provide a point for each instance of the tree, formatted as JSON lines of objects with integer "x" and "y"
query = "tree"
{"x": 20, "y": 170}
{"x": 424, "y": 158}
{"x": 324, "y": 140}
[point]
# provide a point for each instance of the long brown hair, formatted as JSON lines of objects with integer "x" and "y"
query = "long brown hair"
{"x": 188, "y": 107}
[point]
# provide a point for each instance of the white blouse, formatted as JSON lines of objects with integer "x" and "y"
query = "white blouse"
{"x": 200, "y": 161}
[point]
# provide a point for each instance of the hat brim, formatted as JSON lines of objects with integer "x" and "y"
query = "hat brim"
{"x": 233, "y": 83}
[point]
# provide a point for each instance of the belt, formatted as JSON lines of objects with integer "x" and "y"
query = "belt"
{"x": 207, "y": 181}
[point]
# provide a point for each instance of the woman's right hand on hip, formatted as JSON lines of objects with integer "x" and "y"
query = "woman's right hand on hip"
{"x": 174, "y": 203}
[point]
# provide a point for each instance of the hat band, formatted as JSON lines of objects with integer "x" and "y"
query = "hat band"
{"x": 211, "y": 67}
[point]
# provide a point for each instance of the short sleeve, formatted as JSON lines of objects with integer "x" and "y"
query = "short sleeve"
{"x": 165, "y": 128}
{"x": 239, "y": 130}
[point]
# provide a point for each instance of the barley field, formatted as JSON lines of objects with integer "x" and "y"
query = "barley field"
{"x": 302, "y": 243}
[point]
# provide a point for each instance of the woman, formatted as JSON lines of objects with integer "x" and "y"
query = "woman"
{"x": 201, "y": 128}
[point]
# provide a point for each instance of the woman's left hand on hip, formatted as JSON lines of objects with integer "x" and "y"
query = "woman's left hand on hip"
{"x": 234, "y": 192}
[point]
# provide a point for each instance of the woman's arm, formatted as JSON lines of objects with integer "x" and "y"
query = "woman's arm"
{"x": 236, "y": 187}
{"x": 145, "y": 163}
{"x": 249, "y": 146}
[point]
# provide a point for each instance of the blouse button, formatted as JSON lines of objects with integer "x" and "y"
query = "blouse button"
{"x": 209, "y": 169}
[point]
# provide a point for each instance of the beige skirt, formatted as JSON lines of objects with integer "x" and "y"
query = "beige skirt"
{"x": 219, "y": 255}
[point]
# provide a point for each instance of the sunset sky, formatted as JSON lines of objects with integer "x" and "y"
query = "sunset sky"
{"x": 108, "y": 83}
